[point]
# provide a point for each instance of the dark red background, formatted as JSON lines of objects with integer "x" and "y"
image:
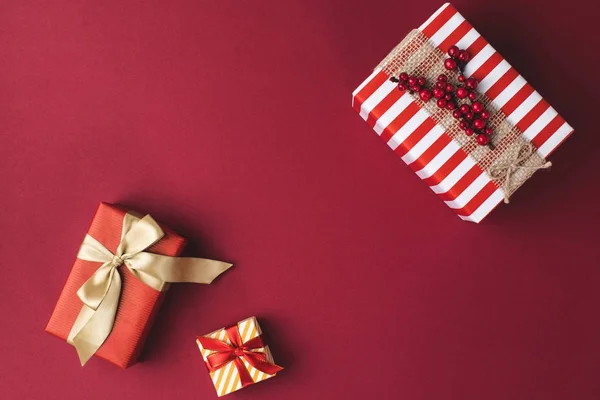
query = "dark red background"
{"x": 230, "y": 121}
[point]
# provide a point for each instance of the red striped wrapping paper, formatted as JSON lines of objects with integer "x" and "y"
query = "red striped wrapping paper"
{"x": 425, "y": 146}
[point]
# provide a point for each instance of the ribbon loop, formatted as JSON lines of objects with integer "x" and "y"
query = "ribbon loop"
{"x": 101, "y": 292}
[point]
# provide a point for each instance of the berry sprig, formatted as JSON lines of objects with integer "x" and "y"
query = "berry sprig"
{"x": 461, "y": 98}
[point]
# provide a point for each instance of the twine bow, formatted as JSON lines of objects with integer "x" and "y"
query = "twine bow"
{"x": 507, "y": 169}
{"x": 237, "y": 351}
{"x": 101, "y": 292}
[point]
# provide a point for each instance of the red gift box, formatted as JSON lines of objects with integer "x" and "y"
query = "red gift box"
{"x": 138, "y": 303}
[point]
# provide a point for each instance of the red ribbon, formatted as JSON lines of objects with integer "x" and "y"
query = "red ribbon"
{"x": 236, "y": 351}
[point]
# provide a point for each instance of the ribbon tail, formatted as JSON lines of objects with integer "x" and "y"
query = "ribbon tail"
{"x": 245, "y": 377}
{"x": 259, "y": 361}
{"x": 91, "y": 328}
{"x": 177, "y": 269}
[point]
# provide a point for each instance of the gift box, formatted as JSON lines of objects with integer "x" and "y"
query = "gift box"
{"x": 470, "y": 179}
{"x": 237, "y": 356}
{"x": 126, "y": 283}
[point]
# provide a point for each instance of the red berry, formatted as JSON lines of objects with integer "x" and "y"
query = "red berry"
{"x": 477, "y": 107}
{"x": 472, "y": 83}
{"x": 488, "y": 131}
{"x": 403, "y": 77}
{"x": 485, "y": 114}
{"x": 464, "y": 124}
{"x": 421, "y": 81}
{"x": 449, "y": 88}
{"x": 453, "y": 51}
{"x": 425, "y": 95}
{"x": 450, "y": 64}
{"x": 483, "y": 139}
{"x": 441, "y": 103}
{"x": 448, "y": 97}
{"x": 469, "y": 116}
{"x": 451, "y": 105}
{"x": 461, "y": 92}
{"x": 415, "y": 88}
{"x": 441, "y": 85}
{"x": 461, "y": 78}
{"x": 472, "y": 96}
{"x": 479, "y": 123}
{"x": 465, "y": 109}
{"x": 457, "y": 114}
{"x": 438, "y": 93}
{"x": 401, "y": 86}
{"x": 442, "y": 78}
{"x": 469, "y": 131}
{"x": 412, "y": 81}
{"x": 464, "y": 56}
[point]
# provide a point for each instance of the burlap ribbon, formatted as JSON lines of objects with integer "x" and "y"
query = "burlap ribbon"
{"x": 418, "y": 56}
{"x": 101, "y": 292}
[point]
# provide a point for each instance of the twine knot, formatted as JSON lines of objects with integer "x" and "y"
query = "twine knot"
{"x": 507, "y": 169}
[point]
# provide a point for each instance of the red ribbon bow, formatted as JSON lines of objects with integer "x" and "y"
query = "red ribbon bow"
{"x": 236, "y": 351}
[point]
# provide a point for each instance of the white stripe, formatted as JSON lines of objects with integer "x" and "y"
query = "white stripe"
{"x": 539, "y": 124}
{"x": 229, "y": 388}
{"x": 391, "y": 114}
{"x": 479, "y": 60}
{"x": 485, "y": 208}
{"x": 454, "y": 176}
{"x": 468, "y": 39}
{"x": 493, "y": 77}
{"x": 242, "y": 327}
{"x": 555, "y": 139}
{"x": 435, "y": 14}
{"x": 407, "y": 129}
{"x": 470, "y": 192}
{"x": 215, "y": 378}
{"x": 423, "y": 144}
{"x": 509, "y": 91}
{"x": 516, "y": 116}
{"x": 371, "y": 102}
{"x": 449, "y": 27}
{"x": 221, "y": 388}
{"x": 439, "y": 160}
{"x": 366, "y": 81}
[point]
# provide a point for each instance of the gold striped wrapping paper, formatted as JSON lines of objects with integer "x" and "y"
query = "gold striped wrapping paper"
{"x": 227, "y": 380}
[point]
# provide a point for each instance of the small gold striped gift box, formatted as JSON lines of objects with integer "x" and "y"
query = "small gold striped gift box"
{"x": 233, "y": 356}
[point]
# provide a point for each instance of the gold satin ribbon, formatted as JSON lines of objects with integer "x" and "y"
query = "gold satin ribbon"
{"x": 101, "y": 292}
{"x": 508, "y": 168}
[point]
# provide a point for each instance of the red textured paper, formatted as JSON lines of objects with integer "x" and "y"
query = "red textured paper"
{"x": 138, "y": 303}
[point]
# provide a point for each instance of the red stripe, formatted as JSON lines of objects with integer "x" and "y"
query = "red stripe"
{"x": 476, "y": 46}
{"x": 399, "y": 121}
{"x": 487, "y": 66}
{"x": 502, "y": 83}
{"x": 369, "y": 89}
{"x": 560, "y": 143}
{"x": 478, "y": 200}
{"x": 548, "y": 131}
{"x": 383, "y": 106}
{"x": 533, "y": 115}
{"x": 439, "y": 21}
{"x": 446, "y": 169}
{"x": 462, "y": 184}
{"x": 415, "y": 137}
{"x": 460, "y": 31}
{"x": 517, "y": 99}
{"x": 430, "y": 153}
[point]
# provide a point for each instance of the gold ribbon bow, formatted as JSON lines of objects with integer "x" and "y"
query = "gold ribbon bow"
{"x": 508, "y": 168}
{"x": 100, "y": 293}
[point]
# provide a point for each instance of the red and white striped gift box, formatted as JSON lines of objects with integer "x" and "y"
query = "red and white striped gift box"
{"x": 425, "y": 146}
